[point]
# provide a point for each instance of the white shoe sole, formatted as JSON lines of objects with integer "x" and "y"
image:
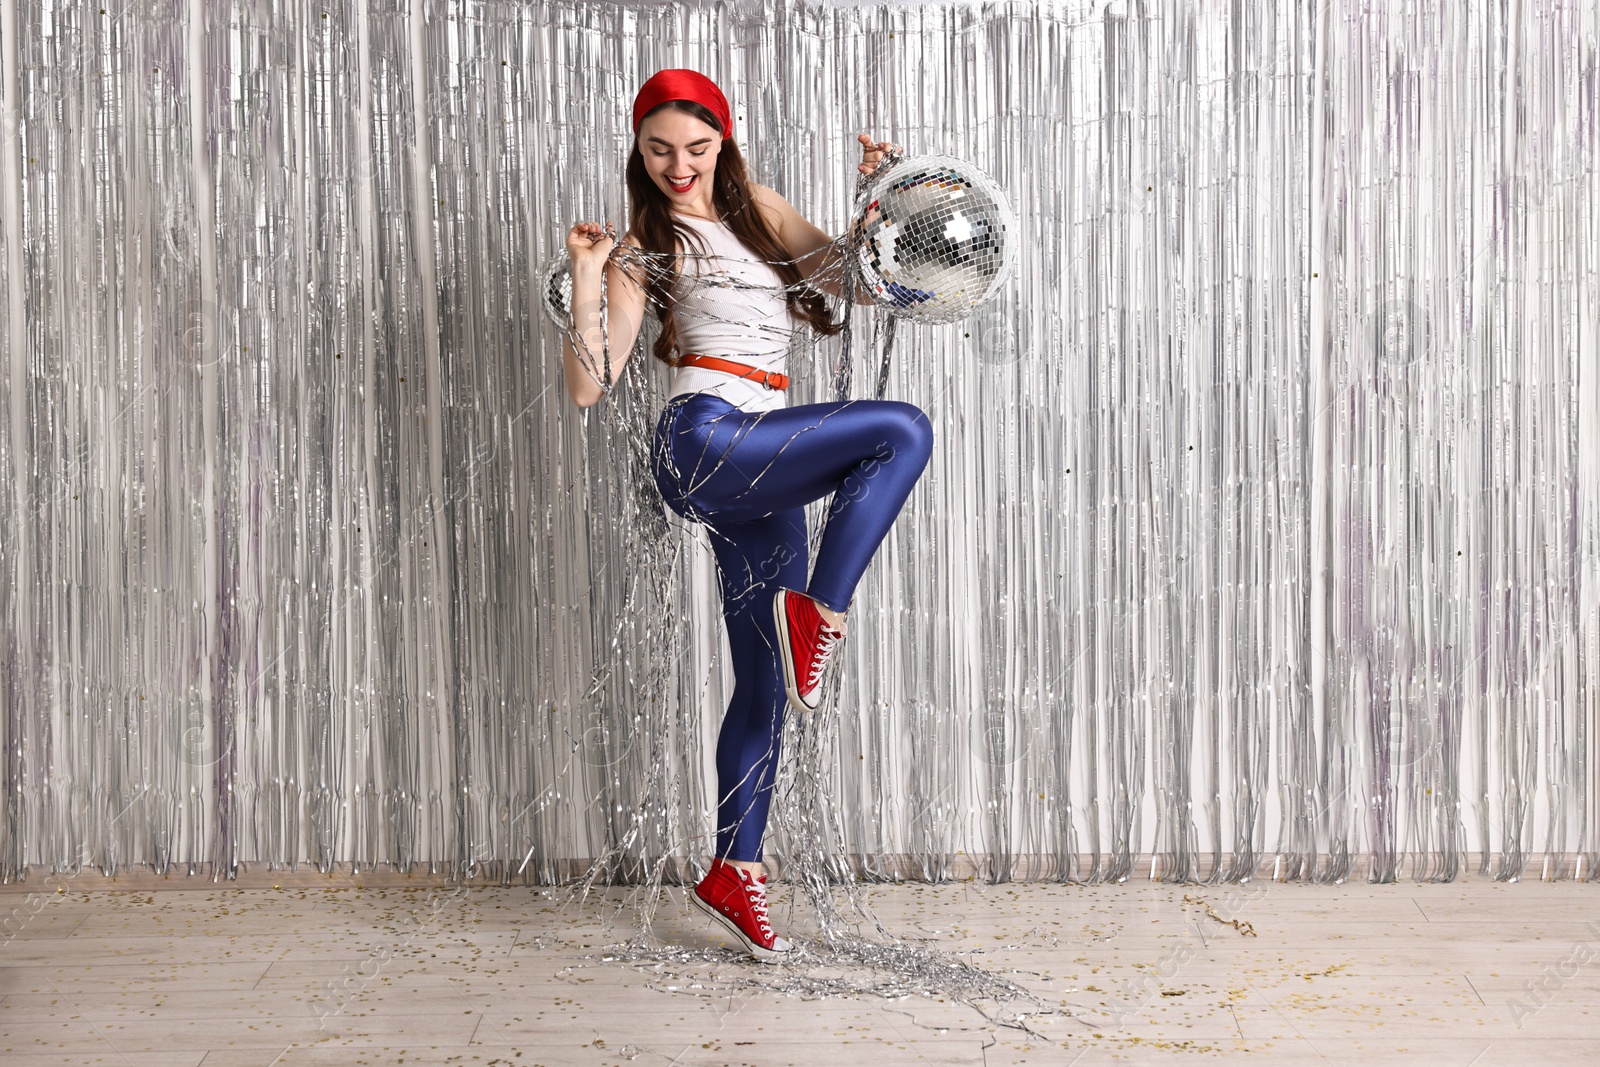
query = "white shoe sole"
{"x": 765, "y": 955}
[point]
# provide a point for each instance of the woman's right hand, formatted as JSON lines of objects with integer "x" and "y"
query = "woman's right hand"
{"x": 589, "y": 242}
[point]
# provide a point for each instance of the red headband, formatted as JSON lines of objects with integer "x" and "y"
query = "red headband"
{"x": 689, "y": 85}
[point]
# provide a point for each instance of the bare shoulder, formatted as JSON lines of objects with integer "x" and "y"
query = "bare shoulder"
{"x": 772, "y": 205}
{"x": 630, "y": 266}
{"x": 797, "y": 233}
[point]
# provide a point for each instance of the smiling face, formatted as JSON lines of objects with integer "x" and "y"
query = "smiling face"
{"x": 680, "y": 155}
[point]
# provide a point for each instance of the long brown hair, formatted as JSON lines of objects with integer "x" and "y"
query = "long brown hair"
{"x": 656, "y": 230}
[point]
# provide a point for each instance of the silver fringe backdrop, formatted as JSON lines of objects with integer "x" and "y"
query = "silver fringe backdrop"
{"x": 1262, "y": 531}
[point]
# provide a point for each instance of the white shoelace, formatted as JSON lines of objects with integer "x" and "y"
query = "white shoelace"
{"x": 756, "y": 893}
{"x": 825, "y": 644}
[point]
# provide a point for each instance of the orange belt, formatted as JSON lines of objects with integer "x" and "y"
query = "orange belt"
{"x": 761, "y": 377}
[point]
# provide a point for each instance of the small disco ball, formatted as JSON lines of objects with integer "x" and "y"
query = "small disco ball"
{"x": 936, "y": 238}
{"x": 557, "y": 286}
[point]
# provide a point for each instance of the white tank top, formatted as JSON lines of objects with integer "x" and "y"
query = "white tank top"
{"x": 730, "y": 304}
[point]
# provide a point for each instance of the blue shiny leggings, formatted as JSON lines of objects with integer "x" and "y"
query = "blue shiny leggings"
{"x": 748, "y": 475}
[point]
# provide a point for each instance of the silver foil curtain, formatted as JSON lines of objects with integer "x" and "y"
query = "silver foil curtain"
{"x": 1262, "y": 531}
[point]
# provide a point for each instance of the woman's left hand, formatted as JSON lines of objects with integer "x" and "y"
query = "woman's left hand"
{"x": 872, "y": 152}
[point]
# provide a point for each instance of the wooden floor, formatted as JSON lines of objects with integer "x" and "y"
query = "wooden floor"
{"x": 1469, "y": 973}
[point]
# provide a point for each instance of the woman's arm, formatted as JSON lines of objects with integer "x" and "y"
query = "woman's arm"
{"x": 584, "y": 347}
{"x": 820, "y": 260}
{"x": 813, "y": 251}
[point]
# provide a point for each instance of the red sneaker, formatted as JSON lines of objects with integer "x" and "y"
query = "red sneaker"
{"x": 738, "y": 900}
{"x": 806, "y": 643}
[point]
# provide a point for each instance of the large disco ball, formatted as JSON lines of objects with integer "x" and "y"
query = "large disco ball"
{"x": 556, "y": 284}
{"x": 935, "y": 238}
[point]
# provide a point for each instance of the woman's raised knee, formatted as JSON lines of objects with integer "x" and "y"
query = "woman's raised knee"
{"x": 911, "y": 429}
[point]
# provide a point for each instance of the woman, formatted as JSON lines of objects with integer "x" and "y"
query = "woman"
{"x": 732, "y": 269}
